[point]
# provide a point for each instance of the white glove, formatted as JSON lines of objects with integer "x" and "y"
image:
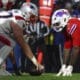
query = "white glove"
{"x": 61, "y": 71}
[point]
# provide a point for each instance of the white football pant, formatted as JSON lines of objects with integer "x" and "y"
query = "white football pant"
{"x": 4, "y": 52}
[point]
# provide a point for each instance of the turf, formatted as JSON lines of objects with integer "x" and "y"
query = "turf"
{"x": 46, "y": 76}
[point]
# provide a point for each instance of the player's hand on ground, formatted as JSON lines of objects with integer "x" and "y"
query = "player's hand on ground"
{"x": 37, "y": 71}
{"x": 40, "y": 67}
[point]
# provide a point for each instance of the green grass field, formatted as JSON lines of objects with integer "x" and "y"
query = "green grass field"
{"x": 46, "y": 76}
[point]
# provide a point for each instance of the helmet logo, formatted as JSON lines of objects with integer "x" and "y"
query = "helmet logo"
{"x": 61, "y": 13}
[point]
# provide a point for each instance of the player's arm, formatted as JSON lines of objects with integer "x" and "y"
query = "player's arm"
{"x": 75, "y": 53}
{"x": 75, "y": 50}
{"x": 66, "y": 50}
{"x": 18, "y": 34}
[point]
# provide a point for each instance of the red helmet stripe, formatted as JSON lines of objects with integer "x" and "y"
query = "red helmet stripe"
{"x": 19, "y": 18}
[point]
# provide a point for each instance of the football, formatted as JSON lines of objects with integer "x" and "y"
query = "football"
{"x": 35, "y": 72}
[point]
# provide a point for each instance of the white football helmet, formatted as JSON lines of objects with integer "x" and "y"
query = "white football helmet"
{"x": 59, "y": 19}
{"x": 29, "y": 9}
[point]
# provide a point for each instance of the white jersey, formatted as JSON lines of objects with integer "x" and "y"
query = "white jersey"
{"x": 7, "y": 41}
{"x": 7, "y": 16}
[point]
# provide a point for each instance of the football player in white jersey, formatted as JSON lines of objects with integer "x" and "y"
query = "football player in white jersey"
{"x": 12, "y": 24}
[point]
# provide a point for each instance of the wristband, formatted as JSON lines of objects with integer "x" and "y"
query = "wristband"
{"x": 33, "y": 59}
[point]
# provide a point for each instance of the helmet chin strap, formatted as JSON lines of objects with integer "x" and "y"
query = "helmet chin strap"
{"x": 57, "y": 30}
